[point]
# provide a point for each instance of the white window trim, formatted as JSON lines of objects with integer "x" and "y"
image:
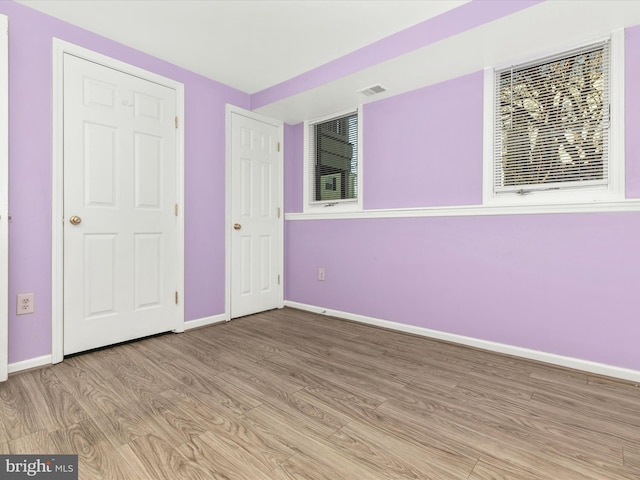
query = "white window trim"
{"x": 630, "y": 205}
{"x": 614, "y": 191}
{"x": 310, "y": 206}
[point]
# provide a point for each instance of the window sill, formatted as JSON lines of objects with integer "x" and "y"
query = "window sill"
{"x": 629, "y": 205}
{"x": 331, "y": 208}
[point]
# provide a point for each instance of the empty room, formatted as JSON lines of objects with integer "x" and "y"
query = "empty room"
{"x": 320, "y": 239}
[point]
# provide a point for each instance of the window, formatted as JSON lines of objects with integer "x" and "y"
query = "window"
{"x": 552, "y": 128}
{"x": 333, "y": 164}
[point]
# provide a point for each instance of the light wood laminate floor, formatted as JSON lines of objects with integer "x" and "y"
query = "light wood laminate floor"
{"x": 293, "y": 395}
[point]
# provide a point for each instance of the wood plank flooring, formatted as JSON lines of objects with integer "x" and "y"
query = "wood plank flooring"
{"x": 293, "y": 395}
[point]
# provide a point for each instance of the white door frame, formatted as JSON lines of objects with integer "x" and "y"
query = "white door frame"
{"x": 61, "y": 47}
{"x": 228, "y": 198}
{"x": 4, "y": 198}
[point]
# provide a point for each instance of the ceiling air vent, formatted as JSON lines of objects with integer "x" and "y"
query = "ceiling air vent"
{"x": 372, "y": 90}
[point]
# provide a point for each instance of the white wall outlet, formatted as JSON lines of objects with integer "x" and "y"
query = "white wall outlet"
{"x": 321, "y": 274}
{"x": 25, "y": 303}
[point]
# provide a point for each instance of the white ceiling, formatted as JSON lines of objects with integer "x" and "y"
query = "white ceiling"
{"x": 254, "y": 44}
{"x": 247, "y": 44}
{"x": 549, "y": 27}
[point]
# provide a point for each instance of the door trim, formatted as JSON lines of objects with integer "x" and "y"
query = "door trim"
{"x": 4, "y": 198}
{"x": 230, "y": 109}
{"x": 60, "y": 48}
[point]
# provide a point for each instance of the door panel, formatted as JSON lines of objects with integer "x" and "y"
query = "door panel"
{"x": 120, "y": 264}
{"x": 148, "y": 270}
{"x": 148, "y": 171}
{"x": 266, "y": 268}
{"x": 256, "y": 247}
{"x": 99, "y": 285}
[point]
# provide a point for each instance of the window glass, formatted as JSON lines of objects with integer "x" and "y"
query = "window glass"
{"x": 551, "y": 122}
{"x": 335, "y": 159}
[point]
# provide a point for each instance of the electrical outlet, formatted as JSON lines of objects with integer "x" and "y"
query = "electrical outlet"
{"x": 321, "y": 274}
{"x": 25, "y": 303}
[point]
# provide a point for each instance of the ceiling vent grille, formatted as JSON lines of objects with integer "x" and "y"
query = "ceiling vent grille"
{"x": 372, "y": 90}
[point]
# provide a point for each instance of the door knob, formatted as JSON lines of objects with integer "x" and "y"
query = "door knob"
{"x": 237, "y": 226}
{"x": 75, "y": 220}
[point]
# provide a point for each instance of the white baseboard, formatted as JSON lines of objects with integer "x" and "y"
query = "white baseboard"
{"x": 202, "y": 322}
{"x": 47, "y": 359}
{"x": 569, "y": 362}
{"x": 30, "y": 363}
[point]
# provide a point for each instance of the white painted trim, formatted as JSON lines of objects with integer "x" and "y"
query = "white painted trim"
{"x": 30, "y": 363}
{"x": 4, "y": 198}
{"x": 61, "y": 47}
{"x": 488, "y": 128}
{"x": 307, "y": 178}
{"x": 617, "y": 144}
{"x": 475, "y": 211}
{"x": 57, "y": 210}
{"x": 559, "y": 360}
{"x": 230, "y": 109}
{"x": 180, "y": 187}
{"x": 227, "y": 211}
{"x": 203, "y": 322}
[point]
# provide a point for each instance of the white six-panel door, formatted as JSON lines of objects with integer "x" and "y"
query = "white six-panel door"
{"x": 120, "y": 232}
{"x": 256, "y": 230}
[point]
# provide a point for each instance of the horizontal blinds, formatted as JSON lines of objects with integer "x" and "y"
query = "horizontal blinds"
{"x": 551, "y": 120}
{"x": 335, "y": 160}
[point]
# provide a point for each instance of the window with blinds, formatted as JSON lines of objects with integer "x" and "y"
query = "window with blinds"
{"x": 334, "y": 158}
{"x": 551, "y": 122}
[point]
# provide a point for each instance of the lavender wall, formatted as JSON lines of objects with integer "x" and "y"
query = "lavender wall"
{"x": 565, "y": 284}
{"x": 632, "y": 117}
{"x": 424, "y": 148}
{"x": 293, "y": 152}
{"x": 30, "y": 99}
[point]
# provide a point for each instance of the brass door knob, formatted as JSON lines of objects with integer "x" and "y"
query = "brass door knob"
{"x": 237, "y": 226}
{"x": 75, "y": 220}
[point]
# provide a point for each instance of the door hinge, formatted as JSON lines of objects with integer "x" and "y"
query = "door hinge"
{"x": 278, "y": 146}
{"x": 176, "y": 298}
{"x": 278, "y": 279}
{"x": 176, "y": 210}
{"x": 278, "y": 212}
{"x": 177, "y": 123}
